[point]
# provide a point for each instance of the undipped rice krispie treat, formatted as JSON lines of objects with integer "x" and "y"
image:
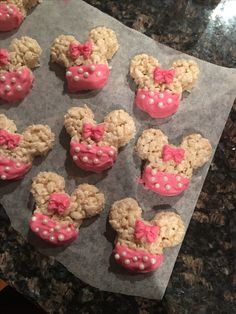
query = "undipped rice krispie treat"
{"x": 139, "y": 244}
{"x": 17, "y": 151}
{"x": 160, "y": 90}
{"x": 168, "y": 169}
{"x": 86, "y": 63}
{"x": 58, "y": 216}
{"x": 93, "y": 146}
{"x": 16, "y": 78}
{"x": 13, "y": 12}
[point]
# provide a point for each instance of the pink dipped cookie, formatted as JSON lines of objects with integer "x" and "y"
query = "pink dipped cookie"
{"x": 86, "y": 63}
{"x": 16, "y": 78}
{"x": 94, "y": 147}
{"x": 58, "y": 216}
{"x": 13, "y": 12}
{"x": 169, "y": 169}
{"x": 17, "y": 151}
{"x": 160, "y": 90}
{"x": 139, "y": 244}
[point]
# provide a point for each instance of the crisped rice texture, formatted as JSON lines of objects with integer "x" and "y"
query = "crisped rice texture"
{"x": 187, "y": 72}
{"x": 123, "y": 216}
{"x": 150, "y": 146}
{"x": 7, "y": 124}
{"x": 29, "y": 4}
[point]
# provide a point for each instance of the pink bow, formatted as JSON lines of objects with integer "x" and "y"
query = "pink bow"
{"x": 172, "y": 153}
{"x": 4, "y": 56}
{"x": 146, "y": 231}
{"x": 163, "y": 75}
{"x": 95, "y": 132}
{"x": 9, "y": 139}
{"x": 58, "y": 203}
{"x": 77, "y": 50}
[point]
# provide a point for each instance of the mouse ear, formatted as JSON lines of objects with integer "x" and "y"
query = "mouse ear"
{"x": 142, "y": 70}
{"x": 120, "y": 128}
{"x": 24, "y": 52}
{"x": 28, "y": 4}
{"x": 172, "y": 228}
{"x": 76, "y": 117}
{"x": 150, "y": 144}
{"x": 60, "y": 52}
{"x": 37, "y": 139}
{"x": 104, "y": 41}
{"x": 7, "y": 124}
{"x": 187, "y": 72}
{"x": 44, "y": 184}
{"x": 86, "y": 201}
{"x": 198, "y": 150}
{"x": 124, "y": 214}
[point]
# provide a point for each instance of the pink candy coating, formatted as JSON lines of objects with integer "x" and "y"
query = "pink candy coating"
{"x": 92, "y": 157}
{"x": 138, "y": 261}
{"x": 173, "y": 153}
{"x": 163, "y": 75}
{"x": 147, "y": 232}
{"x": 157, "y": 104}
{"x": 87, "y": 77}
{"x": 15, "y": 85}
{"x": 81, "y": 49}
{"x": 4, "y": 56}
{"x": 12, "y": 169}
{"x": 52, "y": 231}
{"x": 58, "y": 203}
{"x": 93, "y": 131}
{"x": 10, "y": 17}
{"x": 164, "y": 183}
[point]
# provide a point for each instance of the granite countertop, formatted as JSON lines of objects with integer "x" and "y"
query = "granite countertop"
{"x": 203, "y": 280}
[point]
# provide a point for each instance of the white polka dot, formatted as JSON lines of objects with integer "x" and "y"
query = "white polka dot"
{"x": 0, "y": 14}
{"x": 152, "y": 179}
{"x": 57, "y": 228}
{"x": 157, "y": 185}
{"x": 34, "y": 218}
{"x": 76, "y": 78}
{"x": 117, "y": 256}
{"x": 161, "y": 95}
{"x": 92, "y": 68}
{"x": 3, "y": 177}
{"x": 45, "y": 221}
{"x": 68, "y": 73}
{"x": 89, "y": 146}
{"x": 36, "y": 229}
{"x": 45, "y": 233}
{"x": 151, "y": 94}
{"x": 77, "y": 149}
{"x": 154, "y": 172}
{"x": 80, "y": 70}
{"x": 123, "y": 253}
{"x": 165, "y": 178}
{"x": 75, "y": 157}
{"x": 18, "y": 165}
{"x": 85, "y": 159}
{"x": 153, "y": 261}
{"x": 168, "y": 187}
{"x": 10, "y": 11}
{"x": 141, "y": 266}
{"x": 19, "y": 88}
{"x": 151, "y": 101}
{"x": 145, "y": 258}
{"x": 13, "y": 79}
{"x": 61, "y": 237}
{"x": 99, "y": 153}
{"x": 68, "y": 229}
{"x": 142, "y": 96}
{"x": 160, "y": 104}
{"x": 7, "y": 88}
{"x": 51, "y": 230}
{"x": 86, "y": 74}
{"x": 95, "y": 161}
{"x": 2, "y": 78}
{"x": 111, "y": 152}
{"x": 98, "y": 73}
{"x": 7, "y": 15}
{"x": 178, "y": 178}
{"x": 135, "y": 258}
{"x": 180, "y": 185}
{"x": 52, "y": 238}
{"x": 7, "y": 168}
{"x": 127, "y": 261}
{"x": 169, "y": 100}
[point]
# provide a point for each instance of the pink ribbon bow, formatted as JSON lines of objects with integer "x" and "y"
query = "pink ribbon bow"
{"x": 146, "y": 231}
{"x": 77, "y": 50}
{"x": 58, "y": 202}
{"x": 172, "y": 153}
{"x": 163, "y": 75}
{"x": 95, "y": 132}
{"x": 4, "y": 56}
{"x": 9, "y": 139}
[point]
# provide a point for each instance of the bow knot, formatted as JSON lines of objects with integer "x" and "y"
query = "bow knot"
{"x": 9, "y": 139}
{"x": 95, "y": 132}
{"x": 146, "y": 231}
{"x": 77, "y": 50}
{"x": 4, "y": 56}
{"x": 172, "y": 153}
{"x": 163, "y": 75}
{"x": 58, "y": 203}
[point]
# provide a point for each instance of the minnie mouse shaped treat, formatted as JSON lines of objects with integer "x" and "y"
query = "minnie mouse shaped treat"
{"x": 160, "y": 90}
{"x": 139, "y": 243}
{"x": 16, "y": 78}
{"x": 86, "y": 63}
{"x": 168, "y": 169}
{"x": 13, "y": 12}
{"x": 58, "y": 216}
{"x": 93, "y": 146}
{"x": 17, "y": 151}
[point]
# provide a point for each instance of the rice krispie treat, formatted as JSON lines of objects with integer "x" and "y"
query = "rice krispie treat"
{"x": 139, "y": 244}
{"x": 86, "y": 63}
{"x": 93, "y": 146}
{"x": 58, "y": 216}
{"x": 16, "y": 78}
{"x": 160, "y": 90}
{"x": 17, "y": 151}
{"x": 13, "y": 12}
{"x": 168, "y": 168}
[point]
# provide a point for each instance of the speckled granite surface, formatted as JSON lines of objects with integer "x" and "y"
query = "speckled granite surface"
{"x": 204, "y": 279}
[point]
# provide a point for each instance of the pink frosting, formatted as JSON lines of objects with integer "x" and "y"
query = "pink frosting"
{"x": 93, "y": 131}
{"x": 77, "y": 50}
{"x": 164, "y": 183}
{"x": 52, "y": 231}
{"x": 87, "y": 77}
{"x": 58, "y": 203}
{"x": 163, "y": 75}
{"x": 10, "y": 17}
{"x": 10, "y": 139}
{"x": 173, "y": 153}
{"x": 15, "y": 85}
{"x": 157, "y": 104}
{"x": 92, "y": 157}
{"x": 148, "y": 232}
{"x": 138, "y": 261}
{"x": 4, "y": 56}
{"x": 12, "y": 169}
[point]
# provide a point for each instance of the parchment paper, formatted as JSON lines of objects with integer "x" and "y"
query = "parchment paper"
{"x": 205, "y": 110}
